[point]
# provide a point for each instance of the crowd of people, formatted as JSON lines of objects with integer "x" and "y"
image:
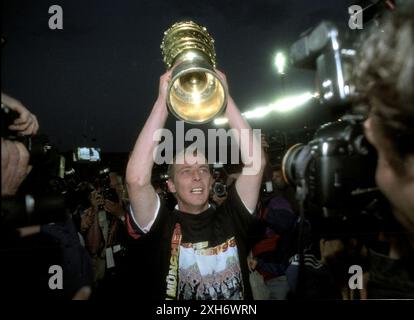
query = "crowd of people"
{"x": 177, "y": 239}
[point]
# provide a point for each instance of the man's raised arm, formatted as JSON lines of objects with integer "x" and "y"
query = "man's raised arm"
{"x": 252, "y": 155}
{"x": 141, "y": 193}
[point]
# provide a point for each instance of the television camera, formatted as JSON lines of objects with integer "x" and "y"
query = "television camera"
{"x": 335, "y": 172}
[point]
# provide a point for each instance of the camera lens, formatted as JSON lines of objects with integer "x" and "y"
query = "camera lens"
{"x": 219, "y": 189}
{"x": 289, "y": 163}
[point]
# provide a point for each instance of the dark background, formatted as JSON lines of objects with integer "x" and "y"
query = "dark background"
{"x": 94, "y": 82}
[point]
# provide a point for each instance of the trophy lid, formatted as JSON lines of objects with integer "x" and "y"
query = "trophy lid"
{"x": 183, "y": 36}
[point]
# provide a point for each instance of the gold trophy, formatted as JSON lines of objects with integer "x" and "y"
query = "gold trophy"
{"x": 195, "y": 94}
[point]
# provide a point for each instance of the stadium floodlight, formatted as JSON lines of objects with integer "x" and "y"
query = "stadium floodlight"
{"x": 280, "y": 63}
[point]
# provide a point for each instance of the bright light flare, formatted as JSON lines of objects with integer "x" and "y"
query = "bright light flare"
{"x": 220, "y": 121}
{"x": 290, "y": 103}
{"x": 281, "y": 105}
{"x": 280, "y": 63}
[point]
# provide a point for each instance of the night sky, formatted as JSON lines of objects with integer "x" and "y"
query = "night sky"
{"x": 94, "y": 82}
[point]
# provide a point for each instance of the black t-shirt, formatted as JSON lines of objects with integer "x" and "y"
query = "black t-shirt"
{"x": 200, "y": 256}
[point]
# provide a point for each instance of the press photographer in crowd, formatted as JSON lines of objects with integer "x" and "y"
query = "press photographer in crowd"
{"x": 102, "y": 225}
{"x": 35, "y": 232}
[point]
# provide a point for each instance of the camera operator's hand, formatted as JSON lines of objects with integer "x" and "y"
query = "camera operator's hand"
{"x": 97, "y": 200}
{"x": 251, "y": 262}
{"x": 330, "y": 249}
{"x": 114, "y": 208}
{"x": 87, "y": 219}
{"x": 26, "y": 123}
{"x": 14, "y": 166}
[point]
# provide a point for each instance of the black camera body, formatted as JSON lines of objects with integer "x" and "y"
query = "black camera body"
{"x": 107, "y": 192}
{"x": 219, "y": 189}
{"x": 38, "y": 146}
{"x": 42, "y": 197}
{"x": 335, "y": 170}
{"x": 219, "y": 186}
{"x": 76, "y": 191}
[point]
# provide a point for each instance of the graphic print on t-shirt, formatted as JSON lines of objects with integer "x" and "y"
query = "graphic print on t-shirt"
{"x": 209, "y": 273}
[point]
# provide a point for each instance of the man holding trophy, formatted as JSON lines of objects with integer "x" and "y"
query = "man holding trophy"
{"x": 200, "y": 250}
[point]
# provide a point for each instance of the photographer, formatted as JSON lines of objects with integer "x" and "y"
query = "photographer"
{"x": 26, "y": 241}
{"x": 103, "y": 228}
{"x": 384, "y": 78}
{"x": 14, "y": 155}
{"x": 219, "y": 188}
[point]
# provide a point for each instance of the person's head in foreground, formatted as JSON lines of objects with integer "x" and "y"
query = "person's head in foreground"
{"x": 384, "y": 78}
